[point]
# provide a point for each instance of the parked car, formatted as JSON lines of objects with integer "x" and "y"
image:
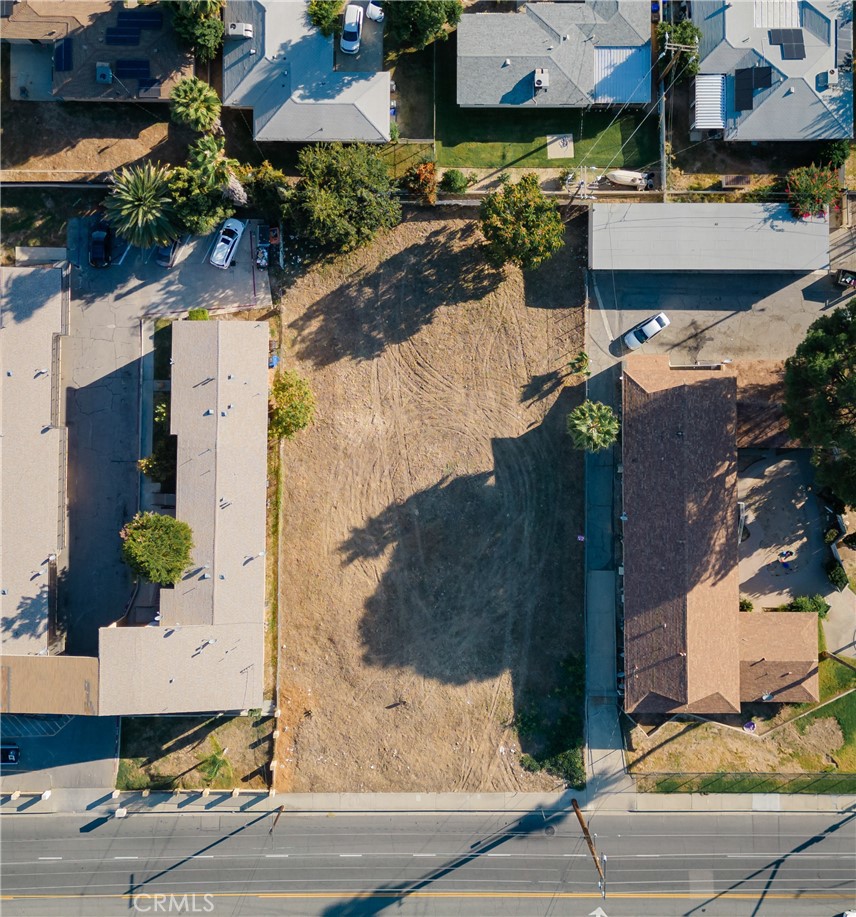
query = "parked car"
{"x": 227, "y": 243}
{"x": 10, "y": 754}
{"x": 644, "y": 331}
{"x": 374, "y": 11}
{"x": 165, "y": 254}
{"x": 352, "y": 29}
{"x": 101, "y": 245}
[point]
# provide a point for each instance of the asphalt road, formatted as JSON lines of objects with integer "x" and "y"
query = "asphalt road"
{"x": 453, "y": 863}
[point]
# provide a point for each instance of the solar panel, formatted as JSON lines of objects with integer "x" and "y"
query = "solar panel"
{"x": 793, "y": 52}
{"x": 140, "y": 19}
{"x": 763, "y": 77}
{"x": 776, "y": 36}
{"x": 132, "y": 69}
{"x": 63, "y": 56}
{"x": 122, "y": 37}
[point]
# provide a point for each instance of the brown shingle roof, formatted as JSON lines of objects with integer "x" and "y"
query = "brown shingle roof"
{"x": 680, "y": 539}
{"x": 761, "y": 421}
{"x": 778, "y": 657}
{"x": 49, "y": 684}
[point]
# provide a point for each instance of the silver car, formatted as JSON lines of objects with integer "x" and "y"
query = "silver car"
{"x": 644, "y": 331}
{"x": 227, "y": 244}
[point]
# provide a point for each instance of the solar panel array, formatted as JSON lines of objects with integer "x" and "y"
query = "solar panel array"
{"x": 746, "y": 81}
{"x": 791, "y": 41}
{"x": 132, "y": 69}
{"x": 63, "y": 56}
{"x": 122, "y": 37}
{"x": 140, "y": 19}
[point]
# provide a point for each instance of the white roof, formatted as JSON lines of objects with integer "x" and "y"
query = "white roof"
{"x": 709, "y": 101}
{"x": 31, "y": 448}
{"x": 705, "y": 237}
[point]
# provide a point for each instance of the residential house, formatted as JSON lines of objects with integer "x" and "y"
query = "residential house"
{"x": 92, "y": 50}
{"x": 774, "y": 69}
{"x": 687, "y": 646}
{"x": 281, "y": 69}
{"x": 556, "y": 55}
{"x": 705, "y": 237}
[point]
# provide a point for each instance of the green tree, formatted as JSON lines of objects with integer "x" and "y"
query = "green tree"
{"x": 344, "y": 197}
{"x": 207, "y": 156}
{"x": 520, "y": 224}
{"x": 266, "y": 187}
{"x": 811, "y": 189}
{"x": 196, "y": 104}
{"x": 416, "y": 23}
{"x": 139, "y": 207}
{"x": 324, "y": 15}
{"x": 292, "y": 405}
{"x": 593, "y": 426}
{"x": 820, "y": 398}
{"x": 835, "y": 152}
{"x": 157, "y": 547}
{"x": 199, "y": 24}
{"x": 199, "y": 208}
{"x": 687, "y": 34}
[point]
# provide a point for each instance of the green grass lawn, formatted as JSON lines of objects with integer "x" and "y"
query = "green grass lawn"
{"x": 502, "y": 138}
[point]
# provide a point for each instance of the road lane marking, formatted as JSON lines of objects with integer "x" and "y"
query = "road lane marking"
{"x": 499, "y": 854}
{"x": 126, "y": 858}
{"x": 424, "y": 854}
{"x": 275, "y": 856}
{"x": 202, "y": 856}
{"x": 350, "y": 854}
{"x": 50, "y": 858}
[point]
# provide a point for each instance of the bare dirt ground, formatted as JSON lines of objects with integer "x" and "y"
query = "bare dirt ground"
{"x": 431, "y": 573}
{"x": 680, "y": 747}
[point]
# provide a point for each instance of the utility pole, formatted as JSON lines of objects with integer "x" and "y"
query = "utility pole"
{"x": 279, "y": 812}
{"x": 591, "y": 847}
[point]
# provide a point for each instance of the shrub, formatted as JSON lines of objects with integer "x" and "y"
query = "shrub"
{"x": 157, "y": 547}
{"x": 816, "y": 604}
{"x": 579, "y": 365}
{"x": 528, "y": 763}
{"x": 837, "y": 575}
{"x": 198, "y": 315}
{"x": 454, "y": 181}
{"x": 831, "y": 535}
{"x": 324, "y": 15}
{"x": 292, "y": 405}
{"x": 746, "y": 604}
{"x": 811, "y": 189}
{"x": 568, "y": 766}
{"x": 836, "y": 153}
{"x": 421, "y": 180}
{"x": 394, "y": 132}
{"x": 203, "y": 33}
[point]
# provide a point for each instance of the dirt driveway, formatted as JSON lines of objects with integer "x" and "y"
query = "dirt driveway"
{"x": 431, "y": 574}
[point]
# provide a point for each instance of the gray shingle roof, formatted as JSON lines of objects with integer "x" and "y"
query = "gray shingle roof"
{"x": 290, "y": 82}
{"x": 802, "y": 103}
{"x": 576, "y": 42}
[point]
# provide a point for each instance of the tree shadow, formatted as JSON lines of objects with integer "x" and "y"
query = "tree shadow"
{"x": 484, "y": 572}
{"x": 390, "y": 303}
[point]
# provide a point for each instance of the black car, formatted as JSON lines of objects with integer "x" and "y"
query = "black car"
{"x": 165, "y": 254}
{"x": 10, "y": 754}
{"x": 101, "y": 245}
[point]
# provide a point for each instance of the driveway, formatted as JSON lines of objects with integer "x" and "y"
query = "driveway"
{"x": 714, "y": 316}
{"x": 369, "y": 59}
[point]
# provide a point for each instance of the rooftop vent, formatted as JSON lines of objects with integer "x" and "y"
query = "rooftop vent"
{"x": 239, "y": 30}
{"x": 542, "y": 79}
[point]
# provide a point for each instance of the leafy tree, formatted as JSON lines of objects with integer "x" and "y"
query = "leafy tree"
{"x": 344, "y": 197}
{"x": 207, "y": 156}
{"x": 139, "y": 206}
{"x": 416, "y": 23}
{"x": 686, "y": 33}
{"x": 292, "y": 405}
{"x": 454, "y": 181}
{"x": 593, "y": 426}
{"x": 199, "y": 24}
{"x": 157, "y": 547}
{"x": 421, "y": 180}
{"x": 520, "y": 225}
{"x": 835, "y": 152}
{"x": 199, "y": 208}
{"x": 196, "y": 104}
{"x": 266, "y": 187}
{"x": 811, "y": 189}
{"x": 820, "y": 398}
{"x": 324, "y": 15}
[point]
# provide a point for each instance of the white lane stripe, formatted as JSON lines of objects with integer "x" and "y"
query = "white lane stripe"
{"x": 350, "y": 854}
{"x": 424, "y": 854}
{"x": 50, "y": 858}
{"x": 499, "y": 854}
{"x": 202, "y": 856}
{"x": 126, "y": 858}
{"x": 274, "y": 856}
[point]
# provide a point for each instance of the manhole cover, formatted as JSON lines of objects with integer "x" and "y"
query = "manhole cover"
{"x": 549, "y": 831}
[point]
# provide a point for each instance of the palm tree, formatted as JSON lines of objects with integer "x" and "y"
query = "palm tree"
{"x": 195, "y": 103}
{"x": 593, "y": 426}
{"x": 208, "y": 158}
{"x": 139, "y": 206}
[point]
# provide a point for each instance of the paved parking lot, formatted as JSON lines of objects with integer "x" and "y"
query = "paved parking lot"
{"x": 714, "y": 317}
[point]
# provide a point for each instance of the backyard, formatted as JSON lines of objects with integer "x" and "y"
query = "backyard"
{"x": 502, "y": 138}
{"x": 430, "y": 518}
{"x": 183, "y": 752}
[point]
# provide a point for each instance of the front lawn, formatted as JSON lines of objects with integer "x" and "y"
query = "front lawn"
{"x": 509, "y": 138}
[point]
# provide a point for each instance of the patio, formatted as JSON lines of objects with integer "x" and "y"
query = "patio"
{"x": 783, "y": 515}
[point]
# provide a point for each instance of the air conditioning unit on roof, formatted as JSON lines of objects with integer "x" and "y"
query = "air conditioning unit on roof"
{"x": 542, "y": 78}
{"x": 832, "y": 76}
{"x": 239, "y": 30}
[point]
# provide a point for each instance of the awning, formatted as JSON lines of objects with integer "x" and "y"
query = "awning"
{"x": 709, "y": 102}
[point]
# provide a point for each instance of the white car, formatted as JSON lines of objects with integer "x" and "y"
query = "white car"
{"x": 227, "y": 244}
{"x": 352, "y": 29}
{"x": 644, "y": 331}
{"x": 374, "y": 11}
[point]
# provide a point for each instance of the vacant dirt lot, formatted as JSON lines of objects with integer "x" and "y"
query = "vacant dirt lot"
{"x": 431, "y": 583}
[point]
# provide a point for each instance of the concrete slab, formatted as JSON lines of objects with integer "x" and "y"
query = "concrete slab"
{"x": 25, "y": 254}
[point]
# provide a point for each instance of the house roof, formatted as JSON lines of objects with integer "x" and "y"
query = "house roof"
{"x": 761, "y": 421}
{"x": 50, "y": 20}
{"x": 597, "y": 52}
{"x": 49, "y": 684}
{"x": 286, "y": 75}
{"x": 31, "y": 474}
{"x": 797, "y": 99}
{"x": 778, "y": 657}
{"x": 705, "y": 237}
{"x": 207, "y": 650}
{"x": 680, "y": 538}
